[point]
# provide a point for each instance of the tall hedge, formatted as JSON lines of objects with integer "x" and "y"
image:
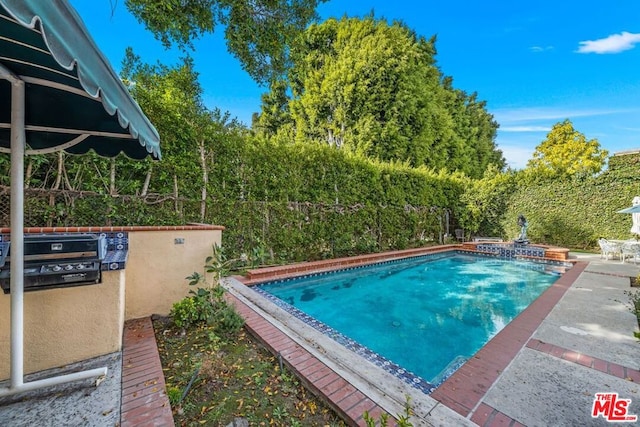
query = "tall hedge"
{"x": 575, "y": 213}
{"x": 307, "y": 201}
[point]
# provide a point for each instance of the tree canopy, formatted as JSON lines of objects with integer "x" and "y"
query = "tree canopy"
{"x": 567, "y": 153}
{"x": 258, "y": 32}
{"x": 374, "y": 88}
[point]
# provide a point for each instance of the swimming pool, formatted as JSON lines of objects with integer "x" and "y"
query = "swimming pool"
{"x": 421, "y": 317}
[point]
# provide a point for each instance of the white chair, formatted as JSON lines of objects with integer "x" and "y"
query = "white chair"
{"x": 608, "y": 248}
{"x": 630, "y": 249}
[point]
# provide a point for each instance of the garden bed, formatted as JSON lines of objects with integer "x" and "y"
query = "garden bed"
{"x": 212, "y": 381}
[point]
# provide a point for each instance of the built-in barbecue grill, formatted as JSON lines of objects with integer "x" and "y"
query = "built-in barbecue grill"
{"x": 56, "y": 261}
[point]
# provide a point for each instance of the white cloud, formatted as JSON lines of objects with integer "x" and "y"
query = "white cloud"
{"x": 525, "y": 129}
{"x": 630, "y": 129}
{"x": 539, "y": 49}
{"x": 518, "y": 115}
{"x": 517, "y": 156}
{"x": 615, "y": 43}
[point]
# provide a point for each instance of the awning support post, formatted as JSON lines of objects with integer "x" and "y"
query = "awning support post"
{"x": 18, "y": 143}
{"x": 17, "y": 232}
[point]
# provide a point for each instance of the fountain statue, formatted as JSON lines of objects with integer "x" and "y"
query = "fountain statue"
{"x": 523, "y": 224}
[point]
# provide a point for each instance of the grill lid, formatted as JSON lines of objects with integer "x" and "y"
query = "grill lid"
{"x": 61, "y": 246}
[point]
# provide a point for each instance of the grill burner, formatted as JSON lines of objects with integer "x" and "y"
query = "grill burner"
{"x": 57, "y": 261}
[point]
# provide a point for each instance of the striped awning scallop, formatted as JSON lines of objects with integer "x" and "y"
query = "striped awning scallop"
{"x": 74, "y": 101}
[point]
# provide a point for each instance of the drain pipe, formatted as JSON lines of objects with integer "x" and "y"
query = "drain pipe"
{"x": 17, "y": 384}
{"x": 99, "y": 373}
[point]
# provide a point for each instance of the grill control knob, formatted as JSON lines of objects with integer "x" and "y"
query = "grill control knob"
{"x": 56, "y": 268}
{"x": 80, "y": 267}
{"x": 68, "y": 267}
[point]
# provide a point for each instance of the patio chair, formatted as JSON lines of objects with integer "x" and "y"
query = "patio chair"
{"x": 609, "y": 248}
{"x": 630, "y": 249}
{"x": 459, "y": 234}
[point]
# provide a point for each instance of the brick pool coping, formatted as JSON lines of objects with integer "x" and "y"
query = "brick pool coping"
{"x": 292, "y": 270}
{"x": 464, "y": 391}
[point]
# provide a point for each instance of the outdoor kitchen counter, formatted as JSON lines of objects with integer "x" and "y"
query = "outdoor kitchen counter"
{"x": 143, "y": 273}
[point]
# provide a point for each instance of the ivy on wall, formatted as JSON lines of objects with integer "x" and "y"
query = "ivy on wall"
{"x": 575, "y": 213}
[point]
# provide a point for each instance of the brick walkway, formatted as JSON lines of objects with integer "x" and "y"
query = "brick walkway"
{"x": 144, "y": 399}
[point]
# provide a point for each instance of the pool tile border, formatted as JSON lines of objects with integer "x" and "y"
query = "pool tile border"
{"x": 370, "y": 355}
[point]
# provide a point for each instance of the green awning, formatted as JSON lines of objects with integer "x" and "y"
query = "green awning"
{"x": 74, "y": 101}
{"x": 57, "y": 92}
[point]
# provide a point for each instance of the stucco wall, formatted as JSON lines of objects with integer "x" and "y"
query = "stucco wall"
{"x": 66, "y": 325}
{"x": 157, "y": 267}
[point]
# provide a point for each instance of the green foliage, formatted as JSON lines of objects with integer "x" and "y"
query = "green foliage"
{"x": 185, "y": 313}
{"x": 566, "y": 153}
{"x": 258, "y": 33}
{"x": 207, "y": 304}
{"x": 485, "y": 200}
{"x": 174, "y": 394}
{"x": 370, "y": 421}
{"x": 374, "y": 89}
{"x": 575, "y": 213}
{"x": 382, "y": 421}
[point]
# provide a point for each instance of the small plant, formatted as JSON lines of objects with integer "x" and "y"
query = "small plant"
{"x": 403, "y": 419}
{"x": 280, "y": 413}
{"x": 185, "y": 313}
{"x": 174, "y": 394}
{"x": 207, "y": 303}
{"x": 372, "y": 422}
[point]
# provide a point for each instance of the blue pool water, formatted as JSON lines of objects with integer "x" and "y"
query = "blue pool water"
{"x": 425, "y": 314}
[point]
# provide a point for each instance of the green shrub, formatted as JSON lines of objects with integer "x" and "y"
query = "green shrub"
{"x": 206, "y": 304}
{"x": 174, "y": 394}
{"x": 185, "y": 313}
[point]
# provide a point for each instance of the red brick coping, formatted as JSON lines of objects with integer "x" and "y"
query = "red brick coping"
{"x": 101, "y": 229}
{"x": 269, "y": 273}
{"x": 144, "y": 398}
{"x": 265, "y": 274}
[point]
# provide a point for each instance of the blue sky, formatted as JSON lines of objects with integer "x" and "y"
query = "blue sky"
{"x": 535, "y": 63}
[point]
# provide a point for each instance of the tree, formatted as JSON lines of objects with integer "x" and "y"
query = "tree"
{"x": 373, "y": 88}
{"x": 171, "y": 98}
{"x": 484, "y": 202}
{"x": 567, "y": 153}
{"x": 275, "y": 107}
{"x": 258, "y": 32}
